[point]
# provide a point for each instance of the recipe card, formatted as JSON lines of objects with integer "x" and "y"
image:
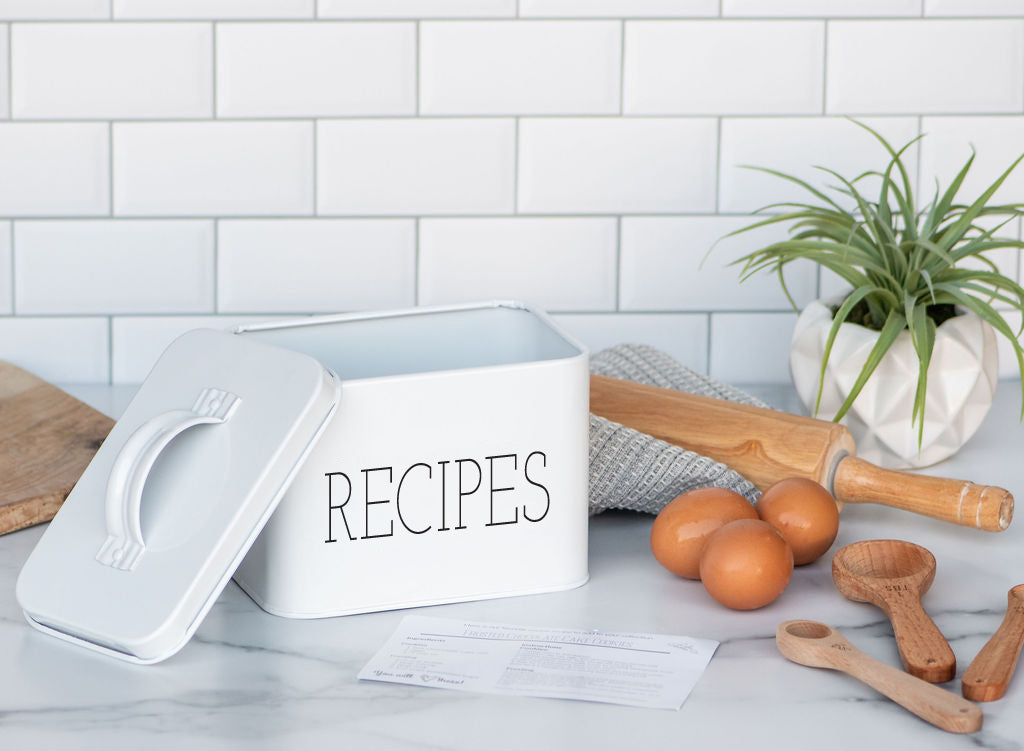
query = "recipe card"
{"x": 639, "y": 670}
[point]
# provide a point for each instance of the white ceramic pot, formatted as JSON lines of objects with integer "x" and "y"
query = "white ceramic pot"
{"x": 961, "y": 381}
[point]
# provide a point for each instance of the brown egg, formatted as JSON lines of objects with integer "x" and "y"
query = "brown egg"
{"x": 746, "y": 564}
{"x": 805, "y": 513}
{"x": 684, "y": 525}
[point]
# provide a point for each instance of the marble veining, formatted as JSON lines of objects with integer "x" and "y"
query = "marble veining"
{"x": 263, "y": 682}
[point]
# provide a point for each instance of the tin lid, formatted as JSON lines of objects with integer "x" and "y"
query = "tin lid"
{"x": 176, "y": 495}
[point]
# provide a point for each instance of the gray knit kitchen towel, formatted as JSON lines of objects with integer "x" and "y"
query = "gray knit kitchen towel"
{"x": 634, "y": 471}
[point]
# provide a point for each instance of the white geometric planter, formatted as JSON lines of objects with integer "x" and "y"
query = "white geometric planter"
{"x": 961, "y": 381}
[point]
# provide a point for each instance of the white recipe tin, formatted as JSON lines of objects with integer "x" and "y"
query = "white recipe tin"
{"x": 454, "y": 469}
{"x": 449, "y": 464}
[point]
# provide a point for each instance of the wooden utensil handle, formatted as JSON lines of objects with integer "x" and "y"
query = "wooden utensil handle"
{"x": 923, "y": 649}
{"x": 958, "y": 501}
{"x": 766, "y": 445}
{"x": 935, "y": 705}
{"x": 989, "y": 675}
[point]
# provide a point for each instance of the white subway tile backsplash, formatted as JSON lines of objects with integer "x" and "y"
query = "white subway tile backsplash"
{"x": 131, "y": 266}
{"x": 63, "y": 350}
{"x": 932, "y": 66}
{"x": 620, "y": 8}
{"x": 53, "y": 169}
{"x": 325, "y": 69}
{"x": 138, "y": 342}
{"x": 112, "y": 70}
{"x": 556, "y": 263}
{"x": 751, "y": 347}
{"x": 796, "y": 146}
{"x": 947, "y": 146}
{"x": 666, "y": 266}
{"x": 716, "y": 67}
{"x": 416, "y": 8}
{"x": 6, "y": 277}
{"x": 213, "y": 9}
{"x": 31, "y": 10}
{"x": 974, "y": 7}
{"x": 213, "y": 168}
{"x": 821, "y": 8}
{"x": 608, "y": 165}
{"x": 411, "y": 166}
{"x": 529, "y": 67}
{"x": 316, "y": 265}
{"x": 683, "y": 336}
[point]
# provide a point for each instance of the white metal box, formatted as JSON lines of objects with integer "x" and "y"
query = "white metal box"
{"x": 455, "y": 467}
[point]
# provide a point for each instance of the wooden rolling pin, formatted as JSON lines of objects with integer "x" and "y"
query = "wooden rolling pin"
{"x": 766, "y": 446}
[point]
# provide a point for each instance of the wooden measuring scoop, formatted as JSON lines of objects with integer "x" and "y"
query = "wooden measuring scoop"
{"x": 989, "y": 675}
{"x": 819, "y": 646}
{"x": 893, "y": 575}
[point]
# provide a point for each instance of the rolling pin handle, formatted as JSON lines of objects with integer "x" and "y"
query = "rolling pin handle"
{"x": 124, "y": 545}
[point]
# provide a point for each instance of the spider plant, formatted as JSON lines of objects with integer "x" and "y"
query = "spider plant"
{"x": 903, "y": 262}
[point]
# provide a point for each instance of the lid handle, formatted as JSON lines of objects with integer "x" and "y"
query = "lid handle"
{"x": 124, "y": 544}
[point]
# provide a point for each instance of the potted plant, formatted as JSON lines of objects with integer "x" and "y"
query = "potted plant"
{"x": 907, "y": 356}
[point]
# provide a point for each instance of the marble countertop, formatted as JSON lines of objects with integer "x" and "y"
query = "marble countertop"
{"x": 249, "y": 679}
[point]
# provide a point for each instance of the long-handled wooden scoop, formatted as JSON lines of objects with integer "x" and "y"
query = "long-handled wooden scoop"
{"x": 766, "y": 446}
{"x": 990, "y": 673}
{"x": 819, "y": 646}
{"x": 893, "y": 575}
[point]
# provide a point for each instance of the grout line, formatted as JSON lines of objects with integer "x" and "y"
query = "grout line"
{"x": 824, "y": 71}
{"x": 110, "y": 168}
{"x": 110, "y": 349}
{"x": 316, "y": 163}
{"x": 918, "y": 148}
{"x": 787, "y": 311}
{"x": 618, "y": 264}
{"x": 622, "y": 67}
{"x": 718, "y": 163}
{"x": 14, "y": 307}
{"x": 419, "y": 80}
{"x": 515, "y": 169}
{"x": 609, "y": 17}
{"x": 721, "y": 8}
{"x": 707, "y": 367}
{"x": 416, "y": 263}
{"x": 216, "y": 265}
{"x": 213, "y": 72}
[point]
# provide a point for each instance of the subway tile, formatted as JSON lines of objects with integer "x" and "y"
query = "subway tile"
{"x": 556, "y": 263}
{"x": 416, "y": 8}
{"x": 213, "y": 168}
{"x": 61, "y": 350}
{"x": 30, "y": 10}
{"x": 213, "y": 9}
{"x": 321, "y": 69}
{"x": 797, "y": 146}
{"x": 947, "y": 146}
{"x": 528, "y": 67}
{"x": 580, "y": 165}
{"x": 682, "y": 336}
{"x": 666, "y": 265}
{"x": 751, "y": 347}
{"x": 429, "y": 166}
{"x": 113, "y": 266}
{"x": 315, "y": 265}
{"x": 705, "y": 67}
{"x": 139, "y": 342}
{"x": 54, "y": 169}
{"x": 821, "y": 8}
{"x": 974, "y": 7}
{"x": 933, "y": 66}
{"x": 620, "y": 8}
{"x": 79, "y": 70}
{"x": 6, "y": 277}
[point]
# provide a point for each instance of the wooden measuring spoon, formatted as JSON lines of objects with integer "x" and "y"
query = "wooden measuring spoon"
{"x": 989, "y": 675}
{"x": 819, "y": 646}
{"x": 893, "y": 575}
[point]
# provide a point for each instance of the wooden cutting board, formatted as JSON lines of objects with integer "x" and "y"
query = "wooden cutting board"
{"x": 47, "y": 438}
